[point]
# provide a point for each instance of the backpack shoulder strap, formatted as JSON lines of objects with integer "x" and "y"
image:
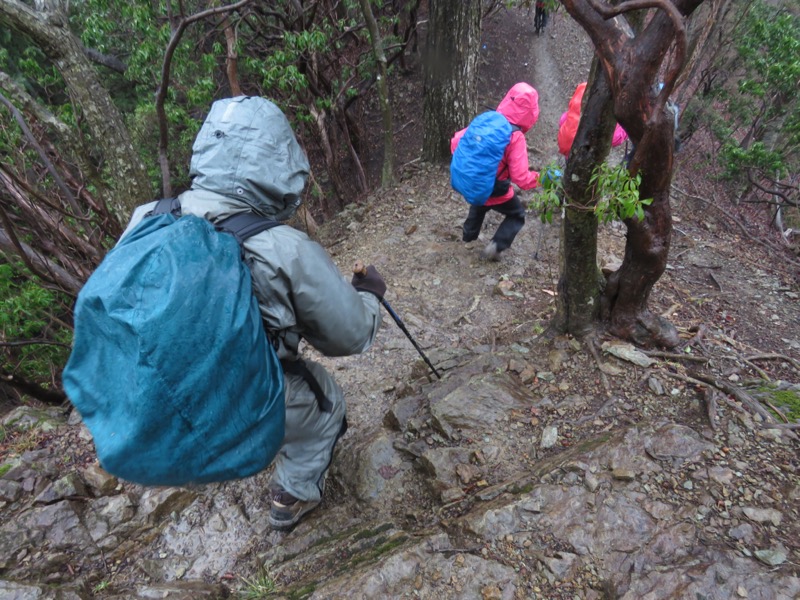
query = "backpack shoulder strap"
{"x": 244, "y": 225}
{"x": 166, "y": 205}
{"x": 241, "y": 225}
{"x": 299, "y": 367}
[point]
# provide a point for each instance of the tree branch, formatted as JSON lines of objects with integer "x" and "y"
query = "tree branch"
{"x": 33, "y": 343}
{"x": 42, "y": 156}
{"x": 110, "y": 62}
{"x": 161, "y": 93}
{"x": 125, "y": 172}
{"x": 780, "y": 195}
{"x": 609, "y": 12}
{"x": 738, "y": 223}
{"x": 40, "y": 266}
{"x": 52, "y": 397}
{"x": 50, "y": 226}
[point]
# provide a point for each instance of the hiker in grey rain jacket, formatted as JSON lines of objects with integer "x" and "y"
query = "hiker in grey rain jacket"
{"x": 246, "y": 158}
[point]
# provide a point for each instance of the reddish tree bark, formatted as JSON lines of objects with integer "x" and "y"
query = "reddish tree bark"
{"x": 634, "y": 64}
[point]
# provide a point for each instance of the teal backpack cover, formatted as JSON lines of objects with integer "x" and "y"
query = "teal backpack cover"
{"x": 171, "y": 369}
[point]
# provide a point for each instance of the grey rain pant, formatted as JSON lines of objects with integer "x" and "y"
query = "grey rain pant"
{"x": 310, "y": 436}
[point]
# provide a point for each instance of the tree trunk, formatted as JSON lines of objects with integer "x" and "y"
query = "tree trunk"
{"x": 646, "y": 250}
{"x": 33, "y": 389}
{"x": 580, "y": 281}
{"x": 633, "y": 63}
{"x": 450, "y": 73}
{"x": 702, "y": 36}
{"x": 125, "y": 172}
{"x": 231, "y": 58}
{"x": 387, "y": 174}
{"x": 41, "y": 266}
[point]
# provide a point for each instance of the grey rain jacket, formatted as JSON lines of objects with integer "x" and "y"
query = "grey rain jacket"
{"x": 246, "y": 158}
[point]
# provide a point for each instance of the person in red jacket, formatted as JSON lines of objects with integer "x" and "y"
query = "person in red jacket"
{"x": 521, "y": 107}
{"x": 568, "y": 124}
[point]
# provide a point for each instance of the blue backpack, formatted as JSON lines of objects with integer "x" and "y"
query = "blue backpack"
{"x": 171, "y": 369}
{"x": 473, "y": 169}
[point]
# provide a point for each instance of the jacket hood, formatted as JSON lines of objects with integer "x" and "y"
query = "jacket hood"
{"x": 246, "y": 150}
{"x": 520, "y": 106}
{"x": 577, "y": 99}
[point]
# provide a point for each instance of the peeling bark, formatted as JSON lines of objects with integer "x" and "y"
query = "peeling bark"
{"x": 120, "y": 161}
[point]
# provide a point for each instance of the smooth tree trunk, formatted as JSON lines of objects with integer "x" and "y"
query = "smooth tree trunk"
{"x": 450, "y": 73}
{"x": 625, "y": 301}
{"x": 634, "y": 64}
{"x": 580, "y": 281}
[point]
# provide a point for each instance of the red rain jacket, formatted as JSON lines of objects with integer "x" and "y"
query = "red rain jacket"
{"x": 568, "y": 125}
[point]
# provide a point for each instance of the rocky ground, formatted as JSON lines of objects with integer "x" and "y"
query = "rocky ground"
{"x": 535, "y": 467}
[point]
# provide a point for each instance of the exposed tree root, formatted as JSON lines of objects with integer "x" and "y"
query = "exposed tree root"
{"x": 752, "y": 404}
{"x": 710, "y": 404}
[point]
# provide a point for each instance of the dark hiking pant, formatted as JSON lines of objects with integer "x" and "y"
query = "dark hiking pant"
{"x": 514, "y": 220}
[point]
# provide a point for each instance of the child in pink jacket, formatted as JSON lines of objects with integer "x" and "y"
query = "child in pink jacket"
{"x": 521, "y": 107}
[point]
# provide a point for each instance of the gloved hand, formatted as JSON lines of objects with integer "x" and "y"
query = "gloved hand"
{"x": 369, "y": 280}
{"x": 500, "y": 187}
{"x": 552, "y": 176}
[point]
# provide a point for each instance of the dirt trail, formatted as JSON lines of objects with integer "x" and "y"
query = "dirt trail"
{"x": 448, "y": 298}
{"x": 555, "y": 77}
{"x": 479, "y": 322}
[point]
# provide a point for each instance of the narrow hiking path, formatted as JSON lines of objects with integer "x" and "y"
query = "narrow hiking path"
{"x": 446, "y": 296}
{"x": 533, "y": 469}
{"x": 559, "y": 59}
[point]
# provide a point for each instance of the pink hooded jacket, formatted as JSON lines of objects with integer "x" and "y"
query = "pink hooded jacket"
{"x": 568, "y": 124}
{"x": 521, "y": 107}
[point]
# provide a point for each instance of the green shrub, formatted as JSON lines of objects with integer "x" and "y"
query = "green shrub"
{"x": 36, "y": 338}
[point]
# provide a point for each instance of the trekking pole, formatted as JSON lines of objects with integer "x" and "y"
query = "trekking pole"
{"x": 360, "y": 269}
{"x": 539, "y": 241}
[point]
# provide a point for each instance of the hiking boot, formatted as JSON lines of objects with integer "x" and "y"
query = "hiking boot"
{"x": 490, "y": 252}
{"x": 286, "y": 510}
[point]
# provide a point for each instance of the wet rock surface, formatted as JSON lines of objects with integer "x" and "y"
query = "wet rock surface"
{"x": 535, "y": 467}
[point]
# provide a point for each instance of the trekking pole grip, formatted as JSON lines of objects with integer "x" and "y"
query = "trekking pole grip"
{"x": 359, "y": 268}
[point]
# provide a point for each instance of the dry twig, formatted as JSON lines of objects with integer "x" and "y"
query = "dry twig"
{"x": 593, "y": 349}
{"x": 729, "y": 216}
{"x": 698, "y": 337}
{"x": 738, "y": 393}
{"x": 715, "y": 280}
{"x": 675, "y": 356}
{"x": 764, "y": 375}
{"x": 710, "y": 402}
{"x": 773, "y": 356}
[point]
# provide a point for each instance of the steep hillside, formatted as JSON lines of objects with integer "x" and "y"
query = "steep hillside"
{"x": 533, "y": 468}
